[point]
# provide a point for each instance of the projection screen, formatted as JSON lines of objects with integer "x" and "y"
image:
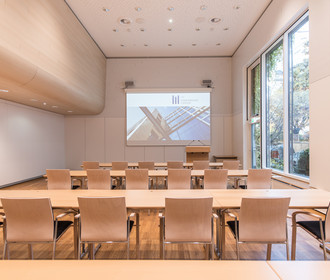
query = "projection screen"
{"x": 168, "y": 116}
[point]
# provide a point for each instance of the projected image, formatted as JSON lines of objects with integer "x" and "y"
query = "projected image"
{"x": 167, "y": 118}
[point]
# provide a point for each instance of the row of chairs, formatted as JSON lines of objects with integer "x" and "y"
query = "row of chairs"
{"x": 186, "y": 220}
{"x": 177, "y": 179}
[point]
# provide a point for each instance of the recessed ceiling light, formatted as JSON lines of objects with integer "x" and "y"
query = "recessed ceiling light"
{"x": 138, "y": 9}
{"x": 44, "y": 103}
{"x": 125, "y": 21}
{"x": 171, "y": 9}
{"x": 215, "y": 20}
{"x": 170, "y": 29}
{"x": 218, "y": 44}
{"x": 194, "y": 45}
{"x": 236, "y": 7}
{"x": 170, "y": 20}
{"x": 105, "y": 9}
{"x": 203, "y": 7}
{"x": 4, "y": 90}
{"x": 197, "y": 29}
{"x": 115, "y": 30}
{"x": 122, "y": 45}
{"x": 226, "y": 28}
{"x": 54, "y": 106}
{"x": 70, "y": 111}
{"x": 142, "y": 29}
{"x": 170, "y": 45}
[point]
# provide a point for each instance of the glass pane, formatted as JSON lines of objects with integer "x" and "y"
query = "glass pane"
{"x": 256, "y": 148}
{"x": 274, "y": 107}
{"x": 299, "y": 99}
{"x": 255, "y": 91}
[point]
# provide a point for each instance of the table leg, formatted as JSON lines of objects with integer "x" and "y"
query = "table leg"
{"x": 75, "y": 238}
{"x": 223, "y": 235}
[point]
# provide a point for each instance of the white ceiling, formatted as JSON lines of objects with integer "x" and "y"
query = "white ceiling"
{"x": 192, "y": 33}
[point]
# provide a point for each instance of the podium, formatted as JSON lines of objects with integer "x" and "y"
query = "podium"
{"x": 197, "y": 153}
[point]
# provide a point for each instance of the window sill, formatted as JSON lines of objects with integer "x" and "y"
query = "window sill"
{"x": 291, "y": 180}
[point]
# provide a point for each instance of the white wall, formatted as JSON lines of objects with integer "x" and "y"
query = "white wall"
{"x": 277, "y": 18}
{"x": 103, "y": 137}
{"x": 31, "y": 140}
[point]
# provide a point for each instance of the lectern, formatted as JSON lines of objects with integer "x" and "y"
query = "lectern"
{"x": 197, "y": 153}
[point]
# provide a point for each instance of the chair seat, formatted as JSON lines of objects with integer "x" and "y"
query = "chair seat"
{"x": 231, "y": 225}
{"x": 62, "y": 226}
{"x": 313, "y": 227}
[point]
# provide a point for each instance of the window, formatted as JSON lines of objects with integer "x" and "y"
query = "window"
{"x": 278, "y": 89}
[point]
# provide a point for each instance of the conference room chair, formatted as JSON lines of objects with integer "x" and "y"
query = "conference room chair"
{"x": 150, "y": 165}
{"x": 232, "y": 165}
{"x": 259, "y": 179}
{"x": 91, "y": 165}
{"x": 263, "y": 221}
{"x": 137, "y": 179}
{"x": 103, "y": 220}
{"x": 174, "y": 164}
{"x": 58, "y": 179}
{"x": 317, "y": 228}
{"x": 98, "y": 179}
{"x": 187, "y": 220}
{"x": 200, "y": 165}
{"x": 119, "y": 165}
{"x": 178, "y": 179}
{"x": 215, "y": 178}
{"x": 30, "y": 221}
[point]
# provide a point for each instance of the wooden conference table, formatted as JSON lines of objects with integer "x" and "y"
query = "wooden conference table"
{"x": 155, "y": 199}
{"x": 161, "y": 270}
{"x": 161, "y": 164}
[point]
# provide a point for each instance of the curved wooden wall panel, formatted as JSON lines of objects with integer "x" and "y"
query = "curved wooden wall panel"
{"x": 46, "y": 56}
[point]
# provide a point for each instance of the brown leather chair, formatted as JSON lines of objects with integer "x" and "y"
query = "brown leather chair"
{"x": 174, "y": 164}
{"x": 179, "y": 179}
{"x": 58, "y": 179}
{"x": 261, "y": 220}
{"x": 259, "y": 179}
{"x": 187, "y": 220}
{"x": 31, "y": 220}
{"x": 137, "y": 179}
{"x": 215, "y": 178}
{"x": 103, "y": 220}
{"x": 91, "y": 165}
{"x": 319, "y": 229}
{"x": 98, "y": 179}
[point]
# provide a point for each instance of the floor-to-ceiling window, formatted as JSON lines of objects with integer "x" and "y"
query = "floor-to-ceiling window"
{"x": 278, "y": 114}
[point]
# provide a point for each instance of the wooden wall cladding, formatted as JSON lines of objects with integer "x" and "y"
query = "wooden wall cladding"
{"x": 48, "y": 60}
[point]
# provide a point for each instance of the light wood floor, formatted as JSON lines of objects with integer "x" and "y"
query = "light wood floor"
{"x": 307, "y": 247}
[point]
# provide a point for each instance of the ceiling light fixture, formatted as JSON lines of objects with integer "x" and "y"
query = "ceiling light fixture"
{"x": 236, "y": 7}
{"x": 171, "y": 9}
{"x": 215, "y": 20}
{"x": 70, "y": 111}
{"x": 54, "y": 106}
{"x": 203, "y": 7}
{"x": 142, "y": 29}
{"x": 170, "y": 20}
{"x": 170, "y": 45}
{"x": 115, "y": 30}
{"x": 125, "y": 21}
{"x": 122, "y": 45}
{"x": 170, "y": 29}
{"x": 138, "y": 9}
{"x": 218, "y": 44}
{"x": 105, "y": 9}
{"x": 146, "y": 45}
{"x": 33, "y": 100}
{"x": 194, "y": 45}
{"x": 197, "y": 29}
{"x": 44, "y": 103}
{"x": 4, "y": 90}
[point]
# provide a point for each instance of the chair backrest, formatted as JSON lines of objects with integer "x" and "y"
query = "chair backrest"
{"x": 28, "y": 219}
{"x": 327, "y": 225}
{"x": 263, "y": 219}
{"x": 58, "y": 179}
{"x": 91, "y": 165}
{"x": 231, "y": 164}
{"x": 188, "y": 219}
{"x": 179, "y": 179}
{"x": 259, "y": 179}
{"x": 174, "y": 164}
{"x": 103, "y": 218}
{"x": 150, "y": 165}
{"x": 119, "y": 165}
{"x": 215, "y": 178}
{"x": 98, "y": 179}
{"x": 137, "y": 179}
{"x": 201, "y": 164}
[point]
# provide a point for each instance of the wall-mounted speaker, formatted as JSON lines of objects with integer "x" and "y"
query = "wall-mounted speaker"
{"x": 129, "y": 84}
{"x": 207, "y": 83}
